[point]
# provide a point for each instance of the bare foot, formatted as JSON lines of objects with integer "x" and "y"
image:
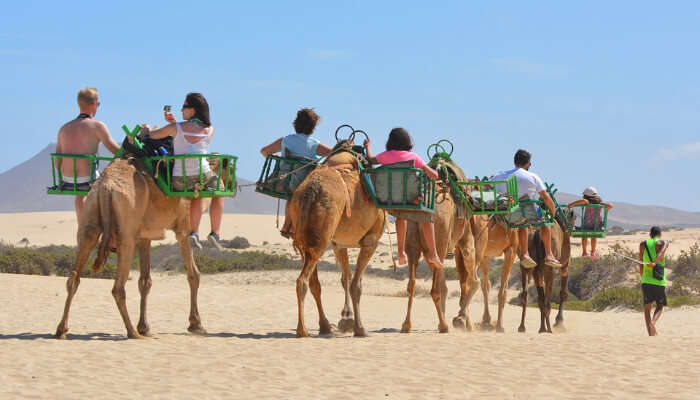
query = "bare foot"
{"x": 584, "y": 255}
{"x": 434, "y": 261}
{"x": 403, "y": 259}
{"x": 593, "y": 256}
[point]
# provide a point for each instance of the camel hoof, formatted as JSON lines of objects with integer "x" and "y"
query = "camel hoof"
{"x": 346, "y": 325}
{"x": 197, "y": 330}
{"x": 134, "y": 335}
{"x": 542, "y": 330}
{"x": 406, "y": 327}
{"x": 499, "y": 329}
{"x": 521, "y": 329}
{"x": 443, "y": 328}
{"x": 303, "y": 334}
{"x": 459, "y": 323}
{"x": 360, "y": 332}
{"x": 325, "y": 329}
{"x": 485, "y": 326}
{"x": 146, "y": 333}
{"x": 61, "y": 334}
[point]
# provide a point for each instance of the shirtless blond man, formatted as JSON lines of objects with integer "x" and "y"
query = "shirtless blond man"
{"x": 82, "y": 136}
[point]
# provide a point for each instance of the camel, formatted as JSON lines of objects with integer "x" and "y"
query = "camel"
{"x": 331, "y": 207}
{"x": 125, "y": 202}
{"x": 466, "y": 243}
{"x": 501, "y": 240}
{"x": 543, "y": 276}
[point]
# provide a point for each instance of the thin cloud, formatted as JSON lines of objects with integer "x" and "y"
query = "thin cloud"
{"x": 328, "y": 54}
{"x": 530, "y": 67}
{"x": 688, "y": 151}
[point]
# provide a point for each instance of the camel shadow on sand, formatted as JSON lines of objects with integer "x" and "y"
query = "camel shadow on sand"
{"x": 70, "y": 336}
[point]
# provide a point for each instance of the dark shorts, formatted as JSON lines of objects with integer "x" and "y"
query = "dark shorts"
{"x": 654, "y": 293}
{"x": 84, "y": 187}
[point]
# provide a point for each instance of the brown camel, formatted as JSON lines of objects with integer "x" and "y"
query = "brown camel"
{"x": 501, "y": 240}
{"x": 331, "y": 207}
{"x": 126, "y": 203}
{"x": 543, "y": 276}
{"x": 466, "y": 237}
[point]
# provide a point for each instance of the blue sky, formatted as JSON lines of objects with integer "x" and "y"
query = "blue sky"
{"x": 602, "y": 93}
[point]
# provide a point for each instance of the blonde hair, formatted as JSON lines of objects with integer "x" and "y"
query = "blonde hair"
{"x": 87, "y": 96}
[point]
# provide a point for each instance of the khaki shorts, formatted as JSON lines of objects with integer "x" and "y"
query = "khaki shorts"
{"x": 209, "y": 178}
{"x": 525, "y": 214}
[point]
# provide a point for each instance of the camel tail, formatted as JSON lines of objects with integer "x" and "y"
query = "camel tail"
{"x": 105, "y": 208}
{"x": 301, "y": 242}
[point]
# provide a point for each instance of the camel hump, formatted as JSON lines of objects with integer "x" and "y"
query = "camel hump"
{"x": 455, "y": 170}
{"x": 343, "y": 157}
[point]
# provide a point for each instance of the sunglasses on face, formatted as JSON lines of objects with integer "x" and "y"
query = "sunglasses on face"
{"x": 186, "y": 106}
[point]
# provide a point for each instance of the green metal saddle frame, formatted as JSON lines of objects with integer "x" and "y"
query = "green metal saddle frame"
{"x": 164, "y": 182}
{"x": 402, "y": 189}
{"x": 491, "y": 187}
{"x": 578, "y": 228}
{"x": 60, "y": 185}
{"x": 279, "y": 175}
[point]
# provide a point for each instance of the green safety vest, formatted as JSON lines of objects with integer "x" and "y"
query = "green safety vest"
{"x": 647, "y": 273}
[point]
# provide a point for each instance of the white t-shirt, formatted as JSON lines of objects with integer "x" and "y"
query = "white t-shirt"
{"x": 528, "y": 183}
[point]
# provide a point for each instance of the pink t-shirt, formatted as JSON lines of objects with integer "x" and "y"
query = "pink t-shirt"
{"x": 394, "y": 156}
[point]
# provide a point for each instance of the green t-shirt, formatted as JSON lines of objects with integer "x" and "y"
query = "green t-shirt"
{"x": 648, "y": 273}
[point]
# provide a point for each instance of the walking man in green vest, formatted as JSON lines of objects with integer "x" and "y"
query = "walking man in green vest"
{"x": 653, "y": 272}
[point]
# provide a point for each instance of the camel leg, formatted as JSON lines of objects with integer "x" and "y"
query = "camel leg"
{"x": 459, "y": 322}
{"x": 439, "y": 292}
{"x": 145, "y": 284}
{"x": 541, "y": 296}
{"x": 193, "y": 277}
{"x": 302, "y": 288}
{"x": 563, "y": 296}
{"x": 410, "y": 288}
{"x": 87, "y": 239}
{"x": 468, "y": 287}
{"x": 363, "y": 258}
{"x": 509, "y": 258}
{"x": 525, "y": 278}
{"x": 548, "y": 284}
{"x": 485, "y": 289}
{"x": 347, "y": 319}
{"x": 125, "y": 253}
{"x": 315, "y": 286}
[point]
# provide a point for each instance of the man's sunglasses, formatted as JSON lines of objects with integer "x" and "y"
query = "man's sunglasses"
{"x": 186, "y": 106}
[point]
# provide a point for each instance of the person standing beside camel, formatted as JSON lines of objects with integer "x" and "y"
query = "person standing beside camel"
{"x": 82, "y": 135}
{"x": 652, "y": 269}
{"x": 529, "y": 187}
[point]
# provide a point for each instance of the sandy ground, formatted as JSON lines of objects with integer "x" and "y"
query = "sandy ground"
{"x": 251, "y": 350}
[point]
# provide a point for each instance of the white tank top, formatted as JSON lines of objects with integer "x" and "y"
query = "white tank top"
{"x": 182, "y": 146}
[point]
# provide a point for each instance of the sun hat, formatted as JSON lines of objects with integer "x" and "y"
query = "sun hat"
{"x": 590, "y": 191}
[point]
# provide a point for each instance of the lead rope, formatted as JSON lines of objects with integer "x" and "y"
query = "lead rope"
{"x": 278, "y": 213}
{"x": 391, "y": 246}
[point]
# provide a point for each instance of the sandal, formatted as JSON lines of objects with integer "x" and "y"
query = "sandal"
{"x": 552, "y": 262}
